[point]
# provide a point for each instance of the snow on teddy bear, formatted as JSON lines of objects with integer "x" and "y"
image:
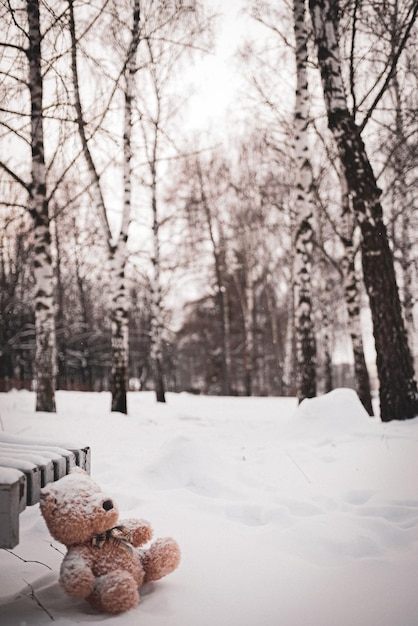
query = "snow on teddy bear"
{"x": 104, "y": 563}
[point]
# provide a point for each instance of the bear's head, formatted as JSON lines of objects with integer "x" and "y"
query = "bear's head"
{"x": 75, "y": 509}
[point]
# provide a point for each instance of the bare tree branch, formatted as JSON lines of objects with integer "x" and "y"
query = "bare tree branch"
{"x": 16, "y": 178}
{"x": 392, "y": 67}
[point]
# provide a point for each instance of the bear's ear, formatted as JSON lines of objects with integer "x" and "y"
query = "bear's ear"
{"x": 48, "y": 501}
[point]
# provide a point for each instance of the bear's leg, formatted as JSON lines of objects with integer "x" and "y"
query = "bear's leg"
{"x": 160, "y": 559}
{"x": 115, "y": 592}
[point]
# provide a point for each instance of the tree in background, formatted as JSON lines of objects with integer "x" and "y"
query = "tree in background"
{"x": 226, "y": 197}
{"x": 209, "y": 178}
{"x": 170, "y": 33}
{"x": 255, "y": 259}
{"x": 17, "y": 316}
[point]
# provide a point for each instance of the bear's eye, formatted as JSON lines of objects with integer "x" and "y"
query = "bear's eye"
{"x": 107, "y": 505}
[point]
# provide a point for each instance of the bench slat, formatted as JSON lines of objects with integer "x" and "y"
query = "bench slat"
{"x": 82, "y": 454}
{"x": 33, "y": 477}
{"x": 45, "y": 465}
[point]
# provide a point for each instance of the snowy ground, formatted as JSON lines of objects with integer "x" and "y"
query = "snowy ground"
{"x": 286, "y": 516}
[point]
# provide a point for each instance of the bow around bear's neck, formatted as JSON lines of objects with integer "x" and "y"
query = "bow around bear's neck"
{"x": 119, "y": 536}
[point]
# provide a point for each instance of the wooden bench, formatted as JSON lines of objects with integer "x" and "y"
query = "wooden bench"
{"x": 27, "y": 465}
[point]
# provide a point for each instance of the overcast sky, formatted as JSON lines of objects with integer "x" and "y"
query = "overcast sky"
{"x": 215, "y": 77}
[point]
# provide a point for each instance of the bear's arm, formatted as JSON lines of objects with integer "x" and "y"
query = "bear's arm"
{"x": 76, "y": 576}
{"x": 140, "y": 529}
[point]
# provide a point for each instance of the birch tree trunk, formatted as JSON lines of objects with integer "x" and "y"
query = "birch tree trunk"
{"x": 223, "y": 307}
{"x": 353, "y": 304}
{"x": 119, "y": 253}
{"x": 398, "y": 388}
{"x": 249, "y": 347}
{"x": 226, "y": 338}
{"x": 45, "y": 354}
{"x": 244, "y": 276}
{"x": 326, "y": 334}
{"x": 289, "y": 366}
{"x": 157, "y": 346}
{"x": 275, "y": 333}
{"x": 305, "y": 335}
{"x": 404, "y": 203}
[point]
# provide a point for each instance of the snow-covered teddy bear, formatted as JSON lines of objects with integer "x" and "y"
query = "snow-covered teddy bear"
{"x": 103, "y": 563}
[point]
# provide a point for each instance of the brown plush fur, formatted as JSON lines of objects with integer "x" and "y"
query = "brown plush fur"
{"x": 103, "y": 564}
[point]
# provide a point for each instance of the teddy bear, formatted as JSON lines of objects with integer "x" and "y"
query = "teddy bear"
{"x": 104, "y": 562}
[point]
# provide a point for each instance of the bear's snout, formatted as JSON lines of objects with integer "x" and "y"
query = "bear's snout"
{"x": 107, "y": 505}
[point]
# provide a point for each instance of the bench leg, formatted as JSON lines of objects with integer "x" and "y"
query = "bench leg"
{"x": 10, "y": 507}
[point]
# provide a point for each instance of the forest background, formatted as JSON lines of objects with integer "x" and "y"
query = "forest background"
{"x": 190, "y": 200}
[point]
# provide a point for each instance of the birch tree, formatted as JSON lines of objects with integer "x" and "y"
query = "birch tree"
{"x": 403, "y": 198}
{"x": 119, "y": 252}
{"x": 152, "y": 133}
{"x": 305, "y": 206}
{"x": 117, "y": 245}
{"x": 398, "y": 389}
{"x": 29, "y": 54}
{"x": 157, "y": 326}
{"x": 45, "y": 357}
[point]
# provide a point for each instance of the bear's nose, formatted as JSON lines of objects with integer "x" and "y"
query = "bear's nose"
{"x": 107, "y": 505}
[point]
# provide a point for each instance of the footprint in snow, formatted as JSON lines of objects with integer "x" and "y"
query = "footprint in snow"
{"x": 397, "y": 514}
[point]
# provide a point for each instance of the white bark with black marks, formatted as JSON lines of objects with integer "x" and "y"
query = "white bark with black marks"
{"x": 157, "y": 325}
{"x": 305, "y": 334}
{"x": 119, "y": 253}
{"x": 353, "y": 303}
{"x": 45, "y": 355}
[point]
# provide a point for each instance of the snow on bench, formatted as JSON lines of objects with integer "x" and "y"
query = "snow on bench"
{"x": 27, "y": 465}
